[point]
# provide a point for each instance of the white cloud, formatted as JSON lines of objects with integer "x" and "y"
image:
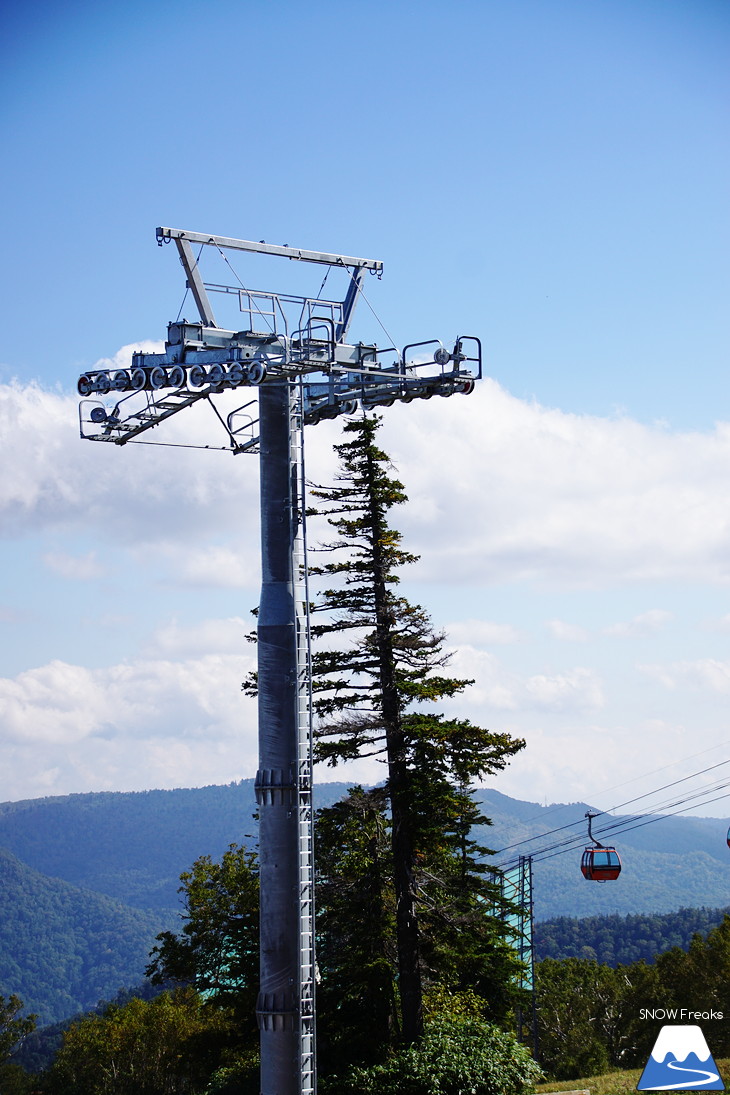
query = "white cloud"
{"x": 83, "y": 568}
{"x": 504, "y": 490}
{"x": 134, "y": 494}
{"x": 501, "y": 489}
{"x": 148, "y": 723}
{"x": 577, "y": 688}
{"x": 566, "y": 632}
{"x": 53, "y": 705}
{"x": 176, "y": 715}
{"x": 502, "y": 689}
{"x": 122, "y": 359}
{"x": 495, "y": 688}
{"x": 603, "y": 763}
{"x": 704, "y": 674}
{"x": 481, "y": 633}
{"x": 60, "y": 704}
{"x": 640, "y": 626}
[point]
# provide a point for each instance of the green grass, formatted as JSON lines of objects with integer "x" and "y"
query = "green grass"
{"x": 615, "y": 1083}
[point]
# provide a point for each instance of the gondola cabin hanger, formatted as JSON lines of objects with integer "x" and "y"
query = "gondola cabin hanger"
{"x": 599, "y": 863}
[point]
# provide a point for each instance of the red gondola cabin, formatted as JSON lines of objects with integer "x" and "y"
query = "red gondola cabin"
{"x": 600, "y": 864}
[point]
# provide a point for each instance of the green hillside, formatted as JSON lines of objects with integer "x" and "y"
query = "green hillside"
{"x": 133, "y": 845}
{"x": 62, "y": 949}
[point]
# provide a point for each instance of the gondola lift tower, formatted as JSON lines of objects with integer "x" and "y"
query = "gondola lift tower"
{"x": 293, "y": 363}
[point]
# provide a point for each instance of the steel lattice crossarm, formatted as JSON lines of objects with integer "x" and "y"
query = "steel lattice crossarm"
{"x": 282, "y": 337}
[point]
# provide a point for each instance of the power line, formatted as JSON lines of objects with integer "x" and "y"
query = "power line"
{"x": 619, "y": 806}
{"x": 684, "y": 779}
{"x": 625, "y": 825}
{"x": 646, "y": 821}
{"x": 634, "y": 779}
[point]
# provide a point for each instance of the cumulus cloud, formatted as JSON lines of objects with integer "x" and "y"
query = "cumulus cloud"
{"x": 580, "y": 687}
{"x": 60, "y": 704}
{"x": 151, "y": 722}
{"x": 640, "y": 626}
{"x": 566, "y": 632}
{"x": 704, "y": 674}
{"x": 495, "y": 688}
{"x": 499, "y": 688}
{"x": 610, "y": 765}
{"x": 134, "y": 494}
{"x": 503, "y": 490}
{"x": 175, "y": 715}
{"x": 122, "y": 359}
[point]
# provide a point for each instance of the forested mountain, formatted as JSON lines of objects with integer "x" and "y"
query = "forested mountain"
{"x": 63, "y": 948}
{"x": 134, "y": 845}
{"x": 88, "y": 881}
{"x": 620, "y": 940}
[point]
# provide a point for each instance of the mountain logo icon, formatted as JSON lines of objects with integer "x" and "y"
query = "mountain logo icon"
{"x": 680, "y": 1061}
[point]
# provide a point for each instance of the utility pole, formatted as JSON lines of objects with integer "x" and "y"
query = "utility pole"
{"x": 276, "y": 779}
{"x": 291, "y": 350}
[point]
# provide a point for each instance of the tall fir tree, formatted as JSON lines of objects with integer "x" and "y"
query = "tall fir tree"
{"x": 463, "y": 949}
{"x": 375, "y": 689}
{"x": 357, "y": 995}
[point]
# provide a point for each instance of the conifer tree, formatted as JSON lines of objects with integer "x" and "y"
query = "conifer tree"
{"x": 462, "y": 945}
{"x": 358, "y": 1018}
{"x": 375, "y": 687}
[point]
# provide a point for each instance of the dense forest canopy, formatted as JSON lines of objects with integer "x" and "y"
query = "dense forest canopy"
{"x": 620, "y": 940}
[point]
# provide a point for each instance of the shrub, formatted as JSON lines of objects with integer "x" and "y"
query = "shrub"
{"x": 457, "y": 1056}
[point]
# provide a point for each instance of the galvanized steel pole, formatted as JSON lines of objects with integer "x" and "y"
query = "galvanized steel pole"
{"x": 276, "y": 780}
{"x": 200, "y": 361}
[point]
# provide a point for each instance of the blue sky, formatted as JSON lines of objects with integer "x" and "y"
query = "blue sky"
{"x": 550, "y": 176}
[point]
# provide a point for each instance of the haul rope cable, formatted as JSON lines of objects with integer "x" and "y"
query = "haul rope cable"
{"x": 644, "y": 775}
{"x": 622, "y": 825}
{"x": 611, "y": 809}
{"x": 647, "y": 821}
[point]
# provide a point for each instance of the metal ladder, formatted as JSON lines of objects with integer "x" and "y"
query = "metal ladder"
{"x": 307, "y": 961}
